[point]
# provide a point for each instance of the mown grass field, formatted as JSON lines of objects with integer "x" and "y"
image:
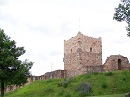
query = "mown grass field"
{"x": 108, "y": 84}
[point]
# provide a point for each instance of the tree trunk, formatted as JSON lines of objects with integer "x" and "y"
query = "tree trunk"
{"x": 2, "y": 89}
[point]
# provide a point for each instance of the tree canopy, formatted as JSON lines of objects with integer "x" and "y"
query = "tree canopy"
{"x": 12, "y": 69}
{"x": 122, "y": 13}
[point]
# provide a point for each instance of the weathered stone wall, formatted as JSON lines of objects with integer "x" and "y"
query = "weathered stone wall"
{"x": 116, "y": 62}
{"x": 90, "y": 59}
{"x": 55, "y": 74}
{"x": 12, "y": 88}
{"x": 81, "y": 51}
{"x": 71, "y": 61}
{"x": 48, "y": 75}
{"x": 84, "y": 42}
{"x": 15, "y": 87}
{"x": 99, "y": 68}
{"x": 85, "y": 70}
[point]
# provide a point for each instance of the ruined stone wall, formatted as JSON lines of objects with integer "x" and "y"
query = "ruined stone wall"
{"x": 116, "y": 62}
{"x": 30, "y": 79}
{"x": 48, "y": 75}
{"x": 12, "y": 88}
{"x": 55, "y": 74}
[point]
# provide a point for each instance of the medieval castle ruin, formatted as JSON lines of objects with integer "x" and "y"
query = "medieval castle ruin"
{"x": 82, "y": 54}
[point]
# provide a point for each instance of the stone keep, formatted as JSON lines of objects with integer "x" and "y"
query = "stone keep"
{"x": 81, "y": 51}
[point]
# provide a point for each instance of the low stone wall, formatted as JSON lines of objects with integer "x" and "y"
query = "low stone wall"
{"x": 55, "y": 74}
{"x": 48, "y": 75}
{"x": 12, "y": 88}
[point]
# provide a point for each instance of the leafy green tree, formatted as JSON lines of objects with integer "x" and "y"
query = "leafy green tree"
{"x": 12, "y": 70}
{"x": 122, "y": 13}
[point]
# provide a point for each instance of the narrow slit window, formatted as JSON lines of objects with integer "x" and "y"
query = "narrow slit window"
{"x": 90, "y": 49}
{"x": 71, "y": 50}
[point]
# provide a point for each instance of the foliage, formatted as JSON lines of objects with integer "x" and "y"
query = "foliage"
{"x": 12, "y": 70}
{"x": 108, "y": 73}
{"x": 65, "y": 83}
{"x": 100, "y": 85}
{"x": 122, "y": 13}
{"x": 104, "y": 85}
{"x": 68, "y": 94}
{"x": 84, "y": 89}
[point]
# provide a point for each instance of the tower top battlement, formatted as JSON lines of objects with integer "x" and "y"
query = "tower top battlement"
{"x": 84, "y": 42}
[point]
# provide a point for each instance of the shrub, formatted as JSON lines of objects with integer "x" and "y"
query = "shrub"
{"x": 108, "y": 73}
{"x": 65, "y": 83}
{"x": 68, "y": 94}
{"x": 49, "y": 90}
{"x": 84, "y": 89}
{"x": 70, "y": 80}
{"x": 95, "y": 73}
{"x": 59, "y": 84}
{"x": 124, "y": 79}
{"x": 61, "y": 92}
{"x": 104, "y": 85}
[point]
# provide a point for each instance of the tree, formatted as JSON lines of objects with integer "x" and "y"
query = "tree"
{"x": 12, "y": 70}
{"x": 122, "y": 13}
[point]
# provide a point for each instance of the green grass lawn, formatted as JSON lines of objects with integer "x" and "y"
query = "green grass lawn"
{"x": 108, "y": 84}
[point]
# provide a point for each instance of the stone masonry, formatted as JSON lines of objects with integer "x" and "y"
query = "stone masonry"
{"x": 81, "y": 51}
{"x": 116, "y": 62}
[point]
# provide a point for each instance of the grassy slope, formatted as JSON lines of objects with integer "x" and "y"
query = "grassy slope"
{"x": 117, "y": 83}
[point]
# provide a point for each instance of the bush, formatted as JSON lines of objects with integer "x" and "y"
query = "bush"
{"x": 84, "y": 89}
{"x": 59, "y": 84}
{"x": 104, "y": 85}
{"x": 65, "y": 83}
{"x": 124, "y": 79}
{"x": 68, "y": 94}
{"x": 108, "y": 73}
{"x": 95, "y": 73}
{"x": 61, "y": 92}
{"x": 49, "y": 90}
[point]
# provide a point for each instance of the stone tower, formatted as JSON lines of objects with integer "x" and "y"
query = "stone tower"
{"x": 81, "y": 51}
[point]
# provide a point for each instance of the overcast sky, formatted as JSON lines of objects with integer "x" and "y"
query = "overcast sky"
{"x": 41, "y": 26}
